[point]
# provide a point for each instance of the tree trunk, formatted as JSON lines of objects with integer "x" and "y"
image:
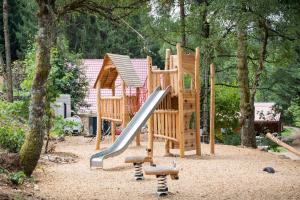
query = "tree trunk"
{"x": 2, "y": 69}
{"x": 246, "y": 106}
{"x": 31, "y": 149}
{"x": 182, "y": 23}
{"x": 8, "y": 72}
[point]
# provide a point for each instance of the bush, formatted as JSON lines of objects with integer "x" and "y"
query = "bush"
{"x": 13, "y": 119}
{"x": 17, "y": 178}
{"x": 231, "y": 138}
{"x": 11, "y": 139}
{"x": 59, "y": 125}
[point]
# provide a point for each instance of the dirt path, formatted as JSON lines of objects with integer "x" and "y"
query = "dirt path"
{"x": 233, "y": 173}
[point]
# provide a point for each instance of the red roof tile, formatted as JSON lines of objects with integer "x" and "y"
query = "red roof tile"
{"x": 93, "y": 66}
{"x": 266, "y": 112}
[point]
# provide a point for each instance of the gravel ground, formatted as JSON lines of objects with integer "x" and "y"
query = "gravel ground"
{"x": 233, "y": 173}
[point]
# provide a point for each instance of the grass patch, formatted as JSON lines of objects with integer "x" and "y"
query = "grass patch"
{"x": 286, "y": 132}
{"x": 278, "y": 149}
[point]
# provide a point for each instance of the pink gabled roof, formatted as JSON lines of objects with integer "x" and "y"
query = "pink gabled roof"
{"x": 266, "y": 112}
{"x": 92, "y": 68}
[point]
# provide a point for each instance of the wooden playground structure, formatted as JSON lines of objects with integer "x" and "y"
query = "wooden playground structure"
{"x": 177, "y": 118}
{"x": 117, "y": 109}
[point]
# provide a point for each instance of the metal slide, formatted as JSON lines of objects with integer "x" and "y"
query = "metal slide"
{"x": 133, "y": 127}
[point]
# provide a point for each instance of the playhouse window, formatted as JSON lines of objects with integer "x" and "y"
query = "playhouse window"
{"x": 187, "y": 78}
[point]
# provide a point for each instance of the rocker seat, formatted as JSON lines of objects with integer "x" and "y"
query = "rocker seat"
{"x": 161, "y": 171}
{"x": 137, "y": 163}
{"x": 138, "y": 159}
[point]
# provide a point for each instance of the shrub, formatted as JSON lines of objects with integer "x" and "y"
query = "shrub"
{"x": 59, "y": 125}
{"x": 11, "y": 139}
{"x": 231, "y": 138}
{"x": 13, "y": 119}
{"x": 17, "y": 178}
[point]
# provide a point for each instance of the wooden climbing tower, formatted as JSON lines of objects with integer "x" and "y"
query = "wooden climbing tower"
{"x": 177, "y": 119}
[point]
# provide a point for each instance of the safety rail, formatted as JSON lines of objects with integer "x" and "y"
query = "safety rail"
{"x": 111, "y": 108}
{"x": 164, "y": 78}
{"x": 166, "y": 124}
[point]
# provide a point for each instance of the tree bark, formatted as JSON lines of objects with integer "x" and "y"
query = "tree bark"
{"x": 246, "y": 106}
{"x": 262, "y": 58}
{"x": 182, "y": 23}
{"x": 31, "y": 149}
{"x": 8, "y": 72}
{"x": 2, "y": 69}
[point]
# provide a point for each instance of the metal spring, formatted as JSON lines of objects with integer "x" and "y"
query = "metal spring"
{"x": 162, "y": 188}
{"x": 138, "y": 171}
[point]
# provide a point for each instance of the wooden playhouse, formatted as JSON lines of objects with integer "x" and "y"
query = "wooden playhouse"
{"x": 177, "y": 119}
{"x": 117, "y": 109}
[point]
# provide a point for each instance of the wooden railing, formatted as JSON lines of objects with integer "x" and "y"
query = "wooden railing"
{"x": 161, "y": 77}
{"x": 166, "y": 124}
{"x": 111, "y": 108}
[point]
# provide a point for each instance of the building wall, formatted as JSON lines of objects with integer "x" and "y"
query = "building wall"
{"x": 263, "y": 127}
{"x": 86, "y": 124}
{"x": 64, "y": 100}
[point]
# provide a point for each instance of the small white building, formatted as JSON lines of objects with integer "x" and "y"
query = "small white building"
{"x": 62, "y": 106}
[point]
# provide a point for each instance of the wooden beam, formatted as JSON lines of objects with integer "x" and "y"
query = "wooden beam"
{"x": 113, "y": 124}
{"x": 284, "y": 145}
{"x": 138, "y": 136}
{"x": 124, "y": 121}
{"x": 112, "y": 119}
{"x": 212, "y": 110}
{"x": 99, "y": 118}
{"x": 166, "y": 137}
{"x": 166, "y": 71}
{"x": 180, "y": 100}
{"x": 167, "y": 82}
{"x": 197, "y": 100}
{"x": 151, "y": 119}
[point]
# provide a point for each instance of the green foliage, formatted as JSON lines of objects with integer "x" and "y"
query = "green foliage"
{"x": 286, "y": 132}
{"x": 231, "y": 138}
{"x": 22, "y": 24}
{"x": 17, "y": 178}
{"x": 294, "y": 110}
{"x": 11, "y": 138}
{"x": 227, "y": 107}
{"x": 12, "y": 128}
{"x": 66, "y": 75}
{"x": 59, "y": 126}
{"x": 3, "y": 171}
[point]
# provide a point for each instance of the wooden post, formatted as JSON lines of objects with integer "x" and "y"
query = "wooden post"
{"x": 180, "y": 100}
{"x": 284, "y": 145}
{"x": 151, "y": 119}
{"x": 166, "y": 84}
{"x": 198, "y": 92}
{"x": 124, "y": 121}
{"x": 138, "y": 136}
{"x": 212, "y": 110}
{"x": 99, "y": 120}
{"x": 113, "y": 124}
